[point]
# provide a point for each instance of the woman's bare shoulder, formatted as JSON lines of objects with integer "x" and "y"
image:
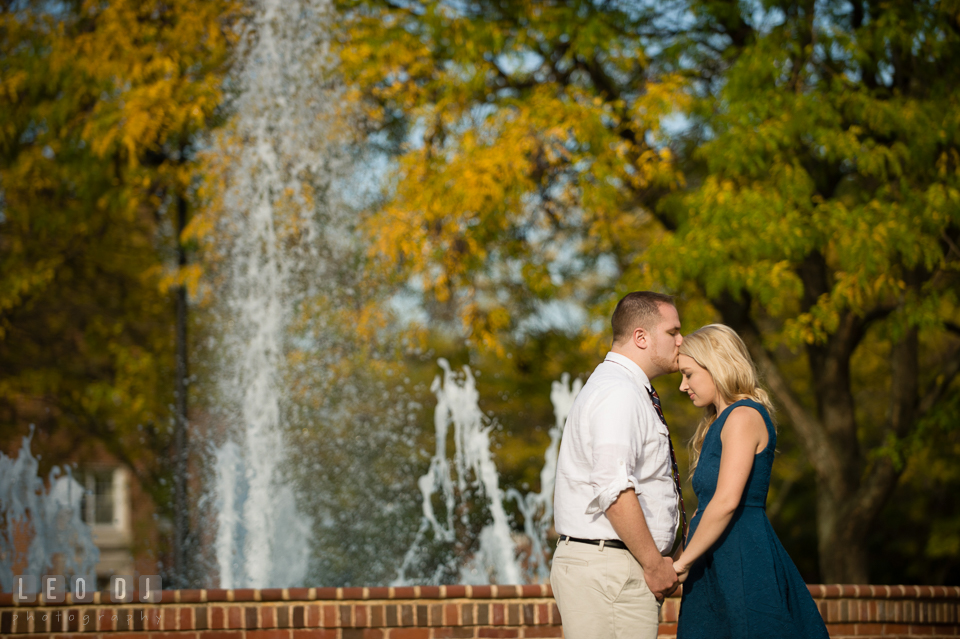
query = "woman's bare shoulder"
{"x": 744, "y": 421}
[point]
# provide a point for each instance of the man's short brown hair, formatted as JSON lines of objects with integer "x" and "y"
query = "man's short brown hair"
{"x": 637, "y": 309}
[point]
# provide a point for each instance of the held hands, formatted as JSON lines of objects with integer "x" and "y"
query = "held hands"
{"x": 662, "y": 581}
{"x": 682, "y": 570}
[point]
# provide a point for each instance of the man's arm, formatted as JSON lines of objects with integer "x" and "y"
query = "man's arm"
{"x": 627, "y": 519}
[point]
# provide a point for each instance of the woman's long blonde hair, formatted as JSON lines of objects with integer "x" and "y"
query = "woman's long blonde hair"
{"x": 719, "y": 350}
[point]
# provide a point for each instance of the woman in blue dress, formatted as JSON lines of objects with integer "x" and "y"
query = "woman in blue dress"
{"x": 738, "y": 581}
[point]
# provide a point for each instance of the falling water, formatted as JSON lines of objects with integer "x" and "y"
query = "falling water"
{"x": 495, "y": 558}
{"x": 537, "y": 508}
{"x": 50, "y": 519}
{"x": 277, "y": 164}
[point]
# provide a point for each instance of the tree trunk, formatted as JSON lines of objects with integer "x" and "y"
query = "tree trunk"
{"x": 181, "y": 436}
{"x": 850, "y": 495}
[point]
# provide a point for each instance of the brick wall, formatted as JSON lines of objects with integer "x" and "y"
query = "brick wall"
{"x": 429, "y": 612}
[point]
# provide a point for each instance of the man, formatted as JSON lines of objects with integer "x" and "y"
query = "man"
{"x": 616, "y": 496}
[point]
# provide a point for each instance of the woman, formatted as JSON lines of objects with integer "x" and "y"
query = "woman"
{"x": 738, "y": 581}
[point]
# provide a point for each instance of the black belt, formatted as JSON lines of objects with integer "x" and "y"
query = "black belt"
{"x": 611, "y": 543}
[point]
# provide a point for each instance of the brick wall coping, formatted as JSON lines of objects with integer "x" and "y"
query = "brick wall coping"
{"x": 536, "y": 591}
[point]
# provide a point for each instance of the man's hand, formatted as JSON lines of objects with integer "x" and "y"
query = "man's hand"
{"x": 627, "y": 519}
{"x": 662, "y": 581}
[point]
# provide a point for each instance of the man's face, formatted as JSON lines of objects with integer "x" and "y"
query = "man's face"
{"x": 666, "y": 340}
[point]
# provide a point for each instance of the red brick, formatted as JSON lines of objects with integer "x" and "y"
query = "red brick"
{"x": 453, "y": 633}
{"x": 105, "y": 619}
{"x": 456, "y": 592}
{"x": 533, "y": 590}
{"x": 451, "y": 615}
{"x": 172, "y": 635}
{"x": 409, "y": 633}
{"x": 234, "y": 617}
{"x": 529, "y": 615}
{"x": 153, "y": 620}
{"x": 481, "y": 592}
{"x": 271, "y": 594}
{"x": 667, "y": 630}
{"x": 380, "y": 592}
{"x": 298, "y": 594}
{"x": 868, "y": 629}
{"x": 429, "y": 592}
{"x": 922, "y": 630}
{"x": 361, "y": 616}
{"x": 543, "y": 631}
{"x": 217, "y": 618}
{"x": 169, "y": 618}
{"x": 498, "y": 614}
{"x": 404, "y": 592}
{"x": 363, "y": 633}
{"x": 840, "y": 629}
{"x": 543, "y": 614}
{"x": 268, "y": 634}
{"x": 346, "y": 616}
{"x": 327, "y": 593}
{"x": 323, "y": 633}
{"x": 436, "y": 615}
{"x": 223, "y": 634}
{"x": 268, "y": 617}
{"x": 217, "y": 595}
{"x": 895, "y": 629}
{"x": 498, "y": 632}
{"x": 245, "y": 594}
{"x": 377, "y": 617}
{"x": 186, "y": 619}
{"x": 351, "y": 593}
{"x": 250, "y": 618}
{"x": 329, "y": 617}
{"x": 190, "y": 596}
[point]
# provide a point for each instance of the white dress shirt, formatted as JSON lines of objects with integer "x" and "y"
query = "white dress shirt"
{"x": 614, "y": 440}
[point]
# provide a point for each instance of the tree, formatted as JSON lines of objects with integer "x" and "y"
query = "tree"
{"x": 811, "y": 204}
{"x": 100, "y": 108}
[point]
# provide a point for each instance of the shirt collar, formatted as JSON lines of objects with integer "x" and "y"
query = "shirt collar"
{"x": 632, "y": 367}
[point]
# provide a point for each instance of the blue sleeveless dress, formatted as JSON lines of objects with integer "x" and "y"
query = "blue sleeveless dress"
{"x": 746, "y": 586}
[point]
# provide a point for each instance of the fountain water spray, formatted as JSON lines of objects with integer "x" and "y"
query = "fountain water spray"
{"x": 495, "y": 559}
{"x": 59, "y": 539}
{"x": 537, "y": 508}
{"x": 276, "y": 165}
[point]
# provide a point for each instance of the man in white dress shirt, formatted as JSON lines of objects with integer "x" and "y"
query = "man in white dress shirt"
{"x": 616, "y": 499}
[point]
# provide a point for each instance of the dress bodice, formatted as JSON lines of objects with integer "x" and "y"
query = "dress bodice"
{"x": 708, "y": 468}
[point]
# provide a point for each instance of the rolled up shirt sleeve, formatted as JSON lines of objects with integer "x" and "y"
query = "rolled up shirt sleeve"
{"x": 616, "y": 431}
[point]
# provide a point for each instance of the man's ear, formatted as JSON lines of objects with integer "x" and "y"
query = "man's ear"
{"x": 641, "y": 339}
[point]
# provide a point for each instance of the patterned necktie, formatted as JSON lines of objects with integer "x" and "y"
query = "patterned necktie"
{"x": 676, "y": 469}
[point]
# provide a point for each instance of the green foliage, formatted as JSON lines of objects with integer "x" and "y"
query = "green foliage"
{"x": 812, "y": 201}
{"x": 99, "y": 106}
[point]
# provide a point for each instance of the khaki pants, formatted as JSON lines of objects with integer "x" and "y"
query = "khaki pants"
{"x": 602, "y": 594}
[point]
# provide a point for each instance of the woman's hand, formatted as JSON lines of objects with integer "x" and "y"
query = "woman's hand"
{"x": 682, "y": 570}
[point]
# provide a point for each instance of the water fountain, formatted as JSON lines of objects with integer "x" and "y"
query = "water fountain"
{"x": 277, "y": 161}
{"x": 59, "y": 541}
{"x": 296, "y": 493}
{"x": 472, "y": 483}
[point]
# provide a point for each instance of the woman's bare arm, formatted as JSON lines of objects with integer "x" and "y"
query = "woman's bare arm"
{"x": 743, "y": 436}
